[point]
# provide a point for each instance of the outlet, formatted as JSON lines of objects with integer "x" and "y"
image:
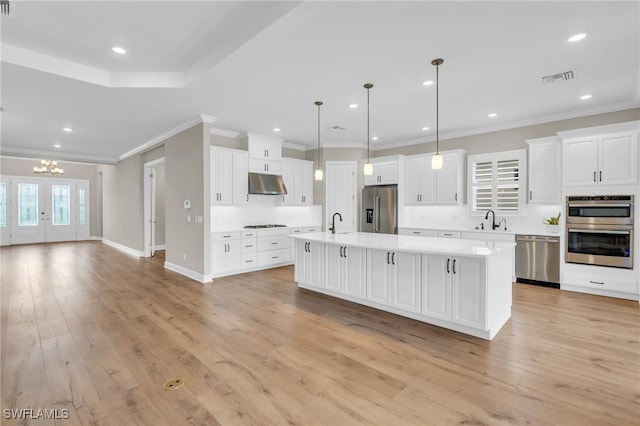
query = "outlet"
{"x": 184, "y": 256}
{"x": 188, "y": 218}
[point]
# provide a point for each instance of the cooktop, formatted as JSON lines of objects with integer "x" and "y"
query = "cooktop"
{"x": 265, "y": 226}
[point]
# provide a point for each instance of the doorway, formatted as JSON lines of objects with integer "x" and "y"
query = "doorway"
{"x": 154, "y": 219}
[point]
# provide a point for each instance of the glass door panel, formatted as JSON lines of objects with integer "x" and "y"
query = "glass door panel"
{"x": 61, "y": 198}
{"x": 5, "y": 208}
{"x": 29, "y": 225}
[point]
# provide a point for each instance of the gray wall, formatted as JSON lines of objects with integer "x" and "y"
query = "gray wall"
{"x": 187, "y": 169}
{"x": 505, "y": 140}
{"x": 11, "y": 166}
{"x": 122, "y": 202}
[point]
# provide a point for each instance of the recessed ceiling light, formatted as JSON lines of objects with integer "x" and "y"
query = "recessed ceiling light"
{"x": 576, "y": 37}
{"x": 57, "y": 145}
{"x": 427, "y": 82}
{"x": 375, "y": 138}
{"x": 583, "y": 97}
{"x": 425, "y": 128}
{"x": 353, "y": 106}
{"x": 67, "y": 129}
{"x": 492, "y": 115}
{"x": 276, "y": 129}
{"x": 119, "y": 50}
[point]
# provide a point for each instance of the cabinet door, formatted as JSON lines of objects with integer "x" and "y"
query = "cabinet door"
{"x": 436, "y": 286}
{"x": 618, "y": 159}
{"x": 378, "y": 262}
{"x": 405, "y": 289}
{"x": 234, "y": 255}
{"x": 224, "y": 172}
{"x": 300, "y": 262}
{"x": 388, "y": 172}
{"x": 449, "y": 179}
{"x": 428, "y": 178}
{"x": 413, "y": 181}
{"x": 219, "y": 257}
{"x": 354, "y": 272}
{"x": 304, "y": 183}
{"x": 240, "y": 179}
{"x": 316, "y": 264}
{"x": 372, "y": 179}
{"x": 289, "y": 179}
{"x": 335, "y": 268}
{"x": 544, "y": 172}
{"x": 265, "y": 148}
{"x": 579, "y": 161}
{"x": 468, "y": 292}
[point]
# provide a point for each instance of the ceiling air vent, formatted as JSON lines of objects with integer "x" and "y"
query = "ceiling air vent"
{"x": 336, "y": 127}
{"x": 560, "y": 77}
{"x": 5, "y": 8}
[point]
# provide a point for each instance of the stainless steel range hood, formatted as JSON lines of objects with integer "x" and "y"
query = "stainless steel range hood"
{"x": 266, "y": 184}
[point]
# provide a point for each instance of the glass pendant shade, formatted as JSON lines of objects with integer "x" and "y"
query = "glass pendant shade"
{"x": 436, "y": 162}
{"x": 318, "y": 175}
{"x": 368, "y": 169}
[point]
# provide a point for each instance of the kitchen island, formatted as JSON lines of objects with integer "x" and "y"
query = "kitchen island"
{"x": 462, "y": 285}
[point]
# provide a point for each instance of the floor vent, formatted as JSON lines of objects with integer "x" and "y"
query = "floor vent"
{"x": 557, "y": 78}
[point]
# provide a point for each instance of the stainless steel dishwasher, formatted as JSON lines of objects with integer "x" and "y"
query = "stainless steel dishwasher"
{"x": 538, "y": 260}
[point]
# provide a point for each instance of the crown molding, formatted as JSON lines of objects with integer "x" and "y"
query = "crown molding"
{"x": 208, "y": 118}
{"x": 225, "y": 133}
{"x": 296, "y": 146}
{"x": 11, "y": 151}
{"x": 166, "y": 135}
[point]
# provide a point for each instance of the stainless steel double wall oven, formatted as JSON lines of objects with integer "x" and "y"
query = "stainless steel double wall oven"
{"x": 599, "y": 230}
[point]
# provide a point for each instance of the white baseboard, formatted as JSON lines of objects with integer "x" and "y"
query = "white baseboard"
{"x": 188, "y": 273}
{"x": 95, "y": 238}
{"x": 123, "y": 248}
{"x": 161, "y": 247}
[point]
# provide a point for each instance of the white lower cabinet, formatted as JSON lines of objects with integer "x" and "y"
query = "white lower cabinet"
{"x": 226, "y": 253}
{"x": 394, "y": 279}
{"x": 309, "y": 263}
{"x": 454, "y": 290}
{"x": 346, "y": 270}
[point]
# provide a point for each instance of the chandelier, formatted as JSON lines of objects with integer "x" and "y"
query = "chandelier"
{"x": 48, "y": 168}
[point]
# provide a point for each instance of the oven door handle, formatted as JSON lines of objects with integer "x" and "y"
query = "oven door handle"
{"x": 599, "y": 231}
{"x": 600, "y": 205}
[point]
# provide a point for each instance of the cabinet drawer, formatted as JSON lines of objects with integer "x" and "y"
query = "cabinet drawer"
{"x": 449, "y": 234}
{"x": 248, "y": 246}
{"x": 273, "y": 232}
{"x": 265, "y": 167}
{"x": 418, "y": 232}
{"x": 312, "y": 229}
{"x": 225, "y": 236}
{"x": 273, "y": 243}
{"x": 249, "y": 234}
{"x": 273, "y": 257}
{"x": 624, "y": 286}
{"x": 248, "y": 260}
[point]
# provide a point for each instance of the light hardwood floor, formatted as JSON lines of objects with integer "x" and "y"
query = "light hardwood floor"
{"x": 97, "y": 332}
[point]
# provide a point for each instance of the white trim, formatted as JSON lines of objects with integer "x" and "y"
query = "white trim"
{"x": 208, "y": 118}
{"x": 247, "y": 135}
{"x": 84, "y": 163}
{"x": 599, "y": 292}
{"x": 122, "y": 248}
{"x": 188, "y": 273}
{"x": 225, "y": 133}
{"x": 154, "y": 162}
{"x": 147, "y": 196}
{"x": 162, "y": 137}
{"x": 94, "y": 238}
{"x": 160, "y": 247}
{"x": 296, "y": 146}
{"x": 625, "y": 126}
{"x": 12, "y": 151}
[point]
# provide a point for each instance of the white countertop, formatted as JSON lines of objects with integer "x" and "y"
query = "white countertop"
{"x": 241, "y": 228}
{"x": 409, "y": 243}
{"x": 488, "y": 231}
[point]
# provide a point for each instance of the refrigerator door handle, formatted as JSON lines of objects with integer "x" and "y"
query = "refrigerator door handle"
{"x": 376, "y": 212}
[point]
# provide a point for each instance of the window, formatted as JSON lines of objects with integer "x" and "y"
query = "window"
{"x": 496, "y": 181}
{"x": 3, "y": 204}
{"x": 27, "y": 204}
{"x": 82, "y": 206}
{"x": 61, "y": 204}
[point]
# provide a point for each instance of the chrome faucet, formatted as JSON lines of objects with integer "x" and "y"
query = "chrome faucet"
{"x": 333, "y": 222}
{"x": 493, "y": 221}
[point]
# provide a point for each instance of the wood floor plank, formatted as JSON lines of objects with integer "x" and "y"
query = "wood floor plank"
{"x": 90, "y": 329}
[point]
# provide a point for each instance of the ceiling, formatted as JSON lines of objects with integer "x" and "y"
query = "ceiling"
{"x": 255, "y": 66}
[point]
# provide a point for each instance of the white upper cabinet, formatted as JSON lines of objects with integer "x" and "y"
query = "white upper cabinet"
{"x": 384, "y": 173}
{"x": 298, "y": 179}
{"x": 423, "y": 185}
{"x": 545, "y": 162}
{"x": 605, "y": 155}
{"x": 229, "y": 181}
{"x": 265, "y": 153}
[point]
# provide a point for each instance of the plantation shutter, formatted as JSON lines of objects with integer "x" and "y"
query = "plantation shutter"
{"x": 496, "y": 182}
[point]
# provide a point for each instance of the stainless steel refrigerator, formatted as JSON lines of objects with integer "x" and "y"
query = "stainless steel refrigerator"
{"x": 379, "y": 209}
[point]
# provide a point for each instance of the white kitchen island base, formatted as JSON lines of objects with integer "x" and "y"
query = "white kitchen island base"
{"x": 462, "y": 285}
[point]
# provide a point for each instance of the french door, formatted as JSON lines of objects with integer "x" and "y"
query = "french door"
{"x": 38, "y": 210}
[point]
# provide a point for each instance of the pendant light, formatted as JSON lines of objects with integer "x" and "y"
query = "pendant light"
{"x": 318, "y": 174}
{"x": 436, "y": 160}
{"x": 368, "y": 168}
